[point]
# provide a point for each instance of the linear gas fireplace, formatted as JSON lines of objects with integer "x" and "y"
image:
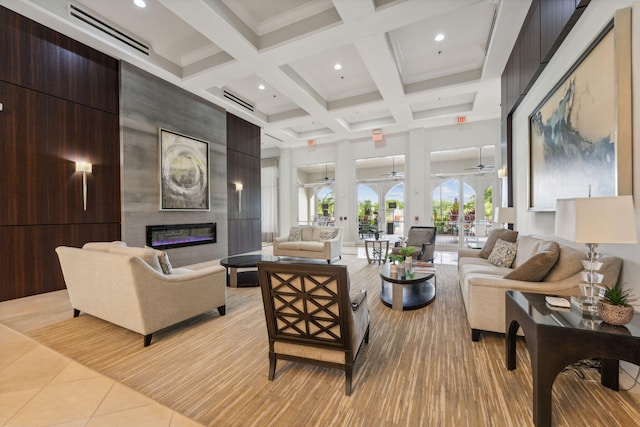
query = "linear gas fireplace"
{"x": 180, "y": 235}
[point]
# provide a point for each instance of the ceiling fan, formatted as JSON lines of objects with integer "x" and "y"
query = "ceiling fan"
{"x": 326, "y": 176}
{"x": 480, "y": 166}
{"x": 394, "y": 173}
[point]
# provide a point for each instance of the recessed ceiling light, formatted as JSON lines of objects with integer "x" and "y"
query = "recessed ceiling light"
{"x": 338, "y": 66}
{"x": 439, "y": 37}
{"x": 261, "y": 87}
{"x": 140, "y": 3}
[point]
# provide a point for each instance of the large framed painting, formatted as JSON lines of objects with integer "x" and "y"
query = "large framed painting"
{"x": 578, "y": 144}
{"x": 184, "y": 172}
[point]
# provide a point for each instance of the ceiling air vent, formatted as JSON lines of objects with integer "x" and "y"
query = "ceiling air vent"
{"x": 241, "y": 102}
{"x": 108, "y": 29}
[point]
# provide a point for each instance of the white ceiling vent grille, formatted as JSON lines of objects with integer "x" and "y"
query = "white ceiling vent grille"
{"x": 235, "y": 98}
{"x": 108, "y": 29}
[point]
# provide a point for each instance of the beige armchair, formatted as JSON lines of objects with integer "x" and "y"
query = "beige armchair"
{"x": 124, "y": 286}
{"x": 311, "y": 318}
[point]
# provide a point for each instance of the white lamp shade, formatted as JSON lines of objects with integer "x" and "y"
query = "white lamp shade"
{"x": 84, "y": 167}
{"x": 505, "y": 215}
{"x": 596, "y": 220}
{"x": 239, "y": 187}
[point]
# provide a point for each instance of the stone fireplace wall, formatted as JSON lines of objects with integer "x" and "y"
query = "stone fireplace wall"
{"x": 147, "y": 104}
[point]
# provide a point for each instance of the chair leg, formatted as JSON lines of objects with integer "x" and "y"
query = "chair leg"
{"x": 147, "y": 340}
{"x": 272, "y": 366}
{"x": 222, "y": 310}
{"x": 76, "y": 312}
{"x": 347, "y": 380}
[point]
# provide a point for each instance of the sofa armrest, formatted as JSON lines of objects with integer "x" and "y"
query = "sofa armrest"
{"x": 468, "y": 253}
{"x": 562, "y": 287}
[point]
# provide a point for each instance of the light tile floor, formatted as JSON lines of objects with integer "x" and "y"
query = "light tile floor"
{"x": 39, "y": 387}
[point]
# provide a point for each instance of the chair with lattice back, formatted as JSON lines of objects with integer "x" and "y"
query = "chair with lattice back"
{"x": 311, "y": 316}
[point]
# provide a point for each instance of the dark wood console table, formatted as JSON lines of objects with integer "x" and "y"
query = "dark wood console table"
{"x": 557, "y": 337}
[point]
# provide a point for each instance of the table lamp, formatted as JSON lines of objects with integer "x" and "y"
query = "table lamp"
{"x": 505, "y": 215}
{"x": 595, "y": 220}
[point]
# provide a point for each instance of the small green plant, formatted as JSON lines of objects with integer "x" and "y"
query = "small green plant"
{"x": 395, "y": 257}
{"x": 616, "y": 296}
{"x": 404, "y": 253}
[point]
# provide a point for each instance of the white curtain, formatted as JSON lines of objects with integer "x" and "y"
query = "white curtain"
{"x": 269, "y": 176}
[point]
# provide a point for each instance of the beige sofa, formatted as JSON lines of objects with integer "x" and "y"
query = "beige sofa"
{"x": 552, "y": 269}
{"x": 126, "y": 286}
{"x": 310, "y": 242}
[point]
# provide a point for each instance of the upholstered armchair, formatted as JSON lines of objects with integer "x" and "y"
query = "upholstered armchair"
{"x": 311, "y": 317}
{"x": 423, "y": 241}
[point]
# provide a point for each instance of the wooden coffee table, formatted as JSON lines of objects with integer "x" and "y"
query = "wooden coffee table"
{"x": 244, "y": 279}
{"x": 406, "y": 291}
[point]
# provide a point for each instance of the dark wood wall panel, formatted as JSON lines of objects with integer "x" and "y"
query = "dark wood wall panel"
{"x": 512, "y": 78}
{"x": 243, "y": 166}
{"x": 40, "y": 272}
{"x": 41, "y": 59}
{"x": 243, "y": 136}
{"x": 530, "y": 48}
{"x": 243, "y": 169}
{"x": 23, "y": 134}
{"x": 554, "y": 16}
{"x": 71, "y": 139}
{"x": 61, "y": 105}
{"x": 244, "y": 236}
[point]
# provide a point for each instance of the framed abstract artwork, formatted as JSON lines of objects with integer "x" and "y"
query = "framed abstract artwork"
{"x": 578, "y": 146}
{"x": 184, "y": 172}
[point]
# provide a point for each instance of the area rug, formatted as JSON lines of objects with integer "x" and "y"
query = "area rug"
{"x": 419, "y": 368}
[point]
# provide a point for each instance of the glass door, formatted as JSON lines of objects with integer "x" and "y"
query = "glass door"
{"x": 380, "y": 197}
{"x": 316, "y": 201}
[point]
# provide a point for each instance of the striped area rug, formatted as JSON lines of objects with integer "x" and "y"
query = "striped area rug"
{"x": 420, "y": 368}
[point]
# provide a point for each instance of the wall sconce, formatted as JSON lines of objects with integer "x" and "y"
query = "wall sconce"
{"x": 84, "y": 167}
{"x": 502, "y": 173}
{"x": 239, "y": 190}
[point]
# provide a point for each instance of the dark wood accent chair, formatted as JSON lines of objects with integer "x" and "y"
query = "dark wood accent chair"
{"x": 423, "y": 240}
{"x": 311, "y": 317}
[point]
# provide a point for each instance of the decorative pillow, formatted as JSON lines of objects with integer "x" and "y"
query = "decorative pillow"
{"x": 295, "y": 235}
{"x": 535, "y": 268}
{"x": 503, "y": 253}
{"x": 500, "y": 233}
{"x": 327, "y": 235}
{"x": 163, "y": 259}
{"x": 569, "y": 263}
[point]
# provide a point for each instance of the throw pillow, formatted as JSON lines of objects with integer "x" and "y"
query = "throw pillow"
{"x": 500, "y": 233}
{"x": 569, "y": 263}
{"x": 503, "y": 253}
{"x": 295, "y": 235}
{"x": 163, "y": 259}
{"x": 327, "y": 235}
{"x": 535, "y": 268}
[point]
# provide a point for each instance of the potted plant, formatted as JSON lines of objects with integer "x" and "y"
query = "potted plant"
{"x": 614, "y": 307}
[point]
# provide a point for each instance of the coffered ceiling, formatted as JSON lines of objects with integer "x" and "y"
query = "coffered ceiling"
{"x": 395, "y": 76}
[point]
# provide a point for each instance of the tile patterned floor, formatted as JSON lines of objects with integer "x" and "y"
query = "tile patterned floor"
{"x": 39, "y": 387}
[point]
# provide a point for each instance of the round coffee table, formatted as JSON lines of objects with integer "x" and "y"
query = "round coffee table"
{"x": 244, "y": 279}
{"x": 402, "y": 291}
